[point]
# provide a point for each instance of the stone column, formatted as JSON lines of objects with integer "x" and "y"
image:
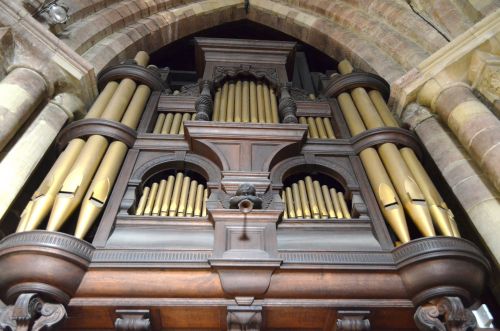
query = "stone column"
{"x": 24, "y": 156}
{"x": 21, "y": 92}
{"x": 475, "y": 126}
{"x": 477, "y": 196}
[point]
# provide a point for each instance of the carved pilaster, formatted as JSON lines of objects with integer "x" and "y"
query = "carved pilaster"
{"x": 204, "y": 104}
{"x": 287, "y": 106}
{"x": 31, "y": 313}
{"x": 445, "y": 314}
{"x": 244, "y": 318}
{"x": 353, "y": 321}
{"x": 133, "y": 320}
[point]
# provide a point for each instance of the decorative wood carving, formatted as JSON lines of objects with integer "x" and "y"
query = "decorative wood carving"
{"x": 135, "y": 72}
{"x": 133, "y": 320}
{"x": 244, "y": 318}
{"x": 353, "y": 321}
{"x": 421, "y": 263}
{"x": 445, "y": 314}
{"x": 222, "y": 73}
{"x": 90, "y": 126}
{"x": 204, "y": 105}
{"x": 31, "y": 313}
{"x": 287, "y": 107}
{"x": 64, "y": 259}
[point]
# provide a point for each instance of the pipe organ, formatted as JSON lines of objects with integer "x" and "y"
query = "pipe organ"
{"x": 238, "y": 198}
{"x": 175, "y": 196}
{"x": 247, "y": 101}
{"x": 308, "y": 199}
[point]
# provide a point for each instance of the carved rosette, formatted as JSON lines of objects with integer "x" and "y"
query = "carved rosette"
{"x": 287, "y": 106}
{"x": 204, "y": 105}
{"x": 445, "y": 314}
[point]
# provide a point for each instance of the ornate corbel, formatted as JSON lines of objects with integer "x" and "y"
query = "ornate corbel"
{"x": 244, "y": 318}
{"x": 445, "y": 314}
{"x": 287, "y": 106}
{"x": 204, "y": 104}
{"x": 133, "y": 320}
{"x": 31, "y": 313}
{"x": 350, "y": 320}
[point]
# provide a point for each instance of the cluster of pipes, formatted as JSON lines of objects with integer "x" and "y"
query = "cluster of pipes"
{"x": 172, "y": 123}
{"x": 85, "y": 172}
{"x": 397, "y": 177}
{"x": 245, "y": 101}
{"x": 178, "y": 195}
{"x": 318, "y": 127}
{"x": 308, "y": 198}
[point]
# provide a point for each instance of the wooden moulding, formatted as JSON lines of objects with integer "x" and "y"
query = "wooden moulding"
{"x": 434, "y": 267}
{"x": 135, "y": 72}
{"x": 92, "y": 126}
{"x": 398, "y": 136}
{"x": 345, "y": 83}
{"x": 49, "y": 263}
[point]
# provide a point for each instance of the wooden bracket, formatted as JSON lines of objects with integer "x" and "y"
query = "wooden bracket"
{"x": 244, "y": 318}
{"x": 353, "y": 320}
{"x": 133, "y": 320}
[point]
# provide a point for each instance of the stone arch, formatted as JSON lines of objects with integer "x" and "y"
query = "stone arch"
{"x": 380, "y": 45}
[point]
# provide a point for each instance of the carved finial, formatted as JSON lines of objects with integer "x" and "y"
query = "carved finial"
{"x": 133, "y": 320}
{"x": 353, "y": 321}
{"x": 244, "y": 318}
{"x": 287, "y": 106}
{"x": 204, "y": 104}
{"x": 445, "y": 314}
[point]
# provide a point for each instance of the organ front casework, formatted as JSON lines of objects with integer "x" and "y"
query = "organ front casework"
{"x": 242, "y": 200}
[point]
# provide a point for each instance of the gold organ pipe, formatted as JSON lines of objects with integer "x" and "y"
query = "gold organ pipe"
{"x": 191, "y": 198}
{"x": 328, "y": 202}
{"x": 381, "y": 184}
{"x": 260, "y": 103}
{"x": 167, "y": 125}
{"x": 312, "y": 127}
{"x": 296, "y": 200}
{"x": 283, "y": 198}
{"x": 223, "y": 102}
{"x": 204, "y": 206}
{"x": 230, "y": 103}
{"x": 302, "y": 120}
{"x": 313, "y": 202}
{"x": 304, "y": 200}
{"x": 216, "y": 115}
{"x": 237, "y": 101}
{"x": 343, "y": 205}
{"x": 181, "y": 211}
{"x": 382, "y": 109}
{"x": 159, "y": 198}
{"x": 345, "y": 67}
{"x": 43, "y": 198}
{"x": 409, "y": 193}
{"x": 289, "y": 203}
{"x": 193, "y": 117}
{"x": 328, "y": 127}
{"x": 167, "y": 196}
{"x": 199, "y": 200}
{"x": 151, "y": 199}
{"x": 245, "y": 102}
{"x": 174, "y": 202}
{"x": 159, "y": 123}
{"x": 142, "y": 202}
{"x": 254, "y": 117}
{"x": 437, "y": 206}
{"x": 336, "y": 203}
{"x": 267, "y": 104}
{"x": 321, "y": 201}
{"x": 23, "y": 221}
{"x": 185, "y": 117}
{"x": 321, "y": 128}
{"x": 274, "y": 106}
{"x": 176, "y": 124}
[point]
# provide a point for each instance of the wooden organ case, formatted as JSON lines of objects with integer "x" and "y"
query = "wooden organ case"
{"x": 242, "y": 204}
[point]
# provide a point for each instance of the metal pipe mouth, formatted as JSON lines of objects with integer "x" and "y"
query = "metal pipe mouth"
{"x": 245, "y": 206}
